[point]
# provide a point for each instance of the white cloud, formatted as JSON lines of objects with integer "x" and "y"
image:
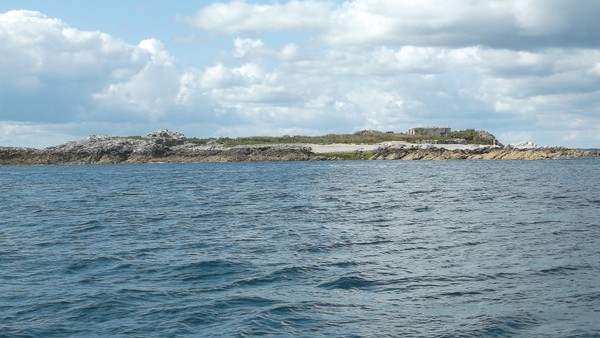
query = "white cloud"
{"x": 290, "y": 51}
{"x": 54, "y": 73}
{"x": 41, "y": 46}
{"x": 382, "y": 108}
{"x": 507, "y": 66}
{"x": 150, "y": 92}
{"x": 189, "y": 89}
{"x": 19, "y": 134}
{"x": 58, "y": 81}
{"x": 240, "y": 16}
{"x": 243, "y": 86}
{"x": 58, "y": 66}
{"x": 245, "y": 46}
{"x": 514, "y": 24}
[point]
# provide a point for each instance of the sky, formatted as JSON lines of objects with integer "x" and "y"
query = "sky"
{"x": 525, "y": 70}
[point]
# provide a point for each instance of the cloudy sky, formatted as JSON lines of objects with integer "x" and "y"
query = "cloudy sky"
{"x": 521, "y": 69}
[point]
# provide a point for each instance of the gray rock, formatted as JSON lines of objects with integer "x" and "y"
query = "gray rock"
{"x": 166, "y": 134}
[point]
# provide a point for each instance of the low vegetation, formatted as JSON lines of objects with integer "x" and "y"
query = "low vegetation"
{"x": 349, "y": 155}
{"x": 473, "y": 136}
{"x": 360, "y": 137}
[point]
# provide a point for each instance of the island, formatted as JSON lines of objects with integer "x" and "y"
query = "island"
{"x": 174, "y": 147}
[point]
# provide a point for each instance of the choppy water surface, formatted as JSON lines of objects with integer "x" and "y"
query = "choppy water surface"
{"x": 456, "y": 248}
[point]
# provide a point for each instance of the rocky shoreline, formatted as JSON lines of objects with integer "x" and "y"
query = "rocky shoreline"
{"x": 173, "y": 147}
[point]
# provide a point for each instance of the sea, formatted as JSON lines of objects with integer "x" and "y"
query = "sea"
{"x": 301, "y": 249}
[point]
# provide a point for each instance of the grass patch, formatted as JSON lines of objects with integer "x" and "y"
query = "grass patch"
{"x": 474, "y": 137}
{"x": 360, "y": 137}
{"x": 348, "y": 155}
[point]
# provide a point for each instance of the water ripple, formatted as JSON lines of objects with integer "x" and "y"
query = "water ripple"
{"x": 427, "y": 249}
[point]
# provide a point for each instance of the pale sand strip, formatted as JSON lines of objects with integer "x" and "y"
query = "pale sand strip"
{"x": 334, "y": 148}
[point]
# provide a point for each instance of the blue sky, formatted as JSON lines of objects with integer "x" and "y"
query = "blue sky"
{"x": 522, "y": 69}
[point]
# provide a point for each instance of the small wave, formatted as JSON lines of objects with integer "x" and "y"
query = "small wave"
{"x": 345, "y": 264}
{"x": 319, "y": 248}
{"x": 283, "y": 320}
{"x": 206, "y": 269}
{"x": 288, "y": 273}
{"x": 91, "y": 264}
{"x": 297, "y": 270}
{"x": 517, "y": 196}
{"x": 594, "y": 201}
{"x": 349, "y": 282}
{"x": 422, "y": 192}
{"x": 266, "y": 325}
{"x": 378, "y": 222}
{"x": 423, "y": 209}
{"x": 99, "y": 307}
{"x": 374, "y": 192}
{"x": 460, "y": 293}
{"x": 501, "y": 326}
{"x": 244, "y": 301}
{"x": 560, "y": 270}
{"x": 330, "y": 199}
{"x": 259, "y": 280}
{"x": 587, "y": 297}
{"x": 484, "y": 198}
{"x": 88, "y": 226}
{"x": 207, "y": 265}
{"x": 375, "y": 242}
{"x": 204, "y": 214}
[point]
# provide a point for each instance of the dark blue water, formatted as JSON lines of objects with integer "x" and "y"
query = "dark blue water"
{"x": 433, "y": 249}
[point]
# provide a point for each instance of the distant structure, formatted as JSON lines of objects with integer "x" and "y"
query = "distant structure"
{"x": 433, "y": 131}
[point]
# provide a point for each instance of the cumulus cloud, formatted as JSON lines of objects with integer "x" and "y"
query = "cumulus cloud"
{"x": 54, "y": 73}
{"x": 149, "y": 92}
{"x": 21, "y": 134}
{"x": 520, "y": 68}
{"x": 512, "y": 24}
{"x": 61, "y": 67}
{"x": 516, "y": 24}
{"x": 47, "y": 66}
{"x": 59, "y": 81}
{"x": 245, "y": 46}
{"x": 240, "y": 16}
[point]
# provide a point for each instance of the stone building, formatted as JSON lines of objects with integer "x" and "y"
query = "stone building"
{"x": 433, "y": 131}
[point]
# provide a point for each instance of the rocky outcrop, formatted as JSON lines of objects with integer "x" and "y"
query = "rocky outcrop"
{"x": 160, "y": 146}
{"x": 486, "y": 135}
{"x": 19, "y": 155}
{"x": 524, "y": 145}
{"x": 430, "y": 152}
{"x": 168, "y": 146}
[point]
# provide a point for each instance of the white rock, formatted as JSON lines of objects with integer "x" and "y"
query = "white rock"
{"x": 525, "y": 145}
